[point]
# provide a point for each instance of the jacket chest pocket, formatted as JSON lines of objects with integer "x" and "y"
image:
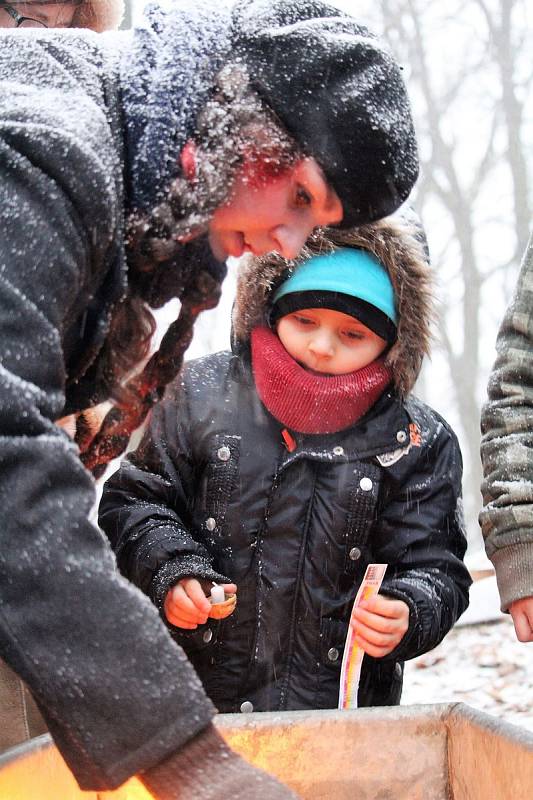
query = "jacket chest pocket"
{"x": 218, "y": 482}
{"x": 361, "y": 514}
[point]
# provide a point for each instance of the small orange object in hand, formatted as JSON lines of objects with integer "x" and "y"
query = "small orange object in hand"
{"x": 187, "y": 606}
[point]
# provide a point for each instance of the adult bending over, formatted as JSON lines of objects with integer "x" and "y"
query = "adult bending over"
{"x": 131, "y": 165}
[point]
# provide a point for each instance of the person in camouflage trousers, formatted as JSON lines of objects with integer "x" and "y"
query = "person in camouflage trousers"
{"x": 507, "y": 456}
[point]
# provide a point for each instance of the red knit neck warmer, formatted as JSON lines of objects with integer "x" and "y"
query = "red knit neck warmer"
{"x": 309, "y": 403}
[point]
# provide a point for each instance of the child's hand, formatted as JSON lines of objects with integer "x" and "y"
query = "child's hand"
{"x": 380, "y": 624}
{"x": 186, "y": 604}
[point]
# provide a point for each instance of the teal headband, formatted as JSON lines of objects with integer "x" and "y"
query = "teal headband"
{"x": 350, "y": 271}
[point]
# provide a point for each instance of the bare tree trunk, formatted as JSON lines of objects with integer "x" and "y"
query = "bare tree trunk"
{"x": 504, "y": 50}
{"x": 127, "y": 19}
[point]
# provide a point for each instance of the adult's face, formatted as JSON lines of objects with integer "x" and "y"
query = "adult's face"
{"x": 41, "y": 14}
{"x": 277, "y": 216}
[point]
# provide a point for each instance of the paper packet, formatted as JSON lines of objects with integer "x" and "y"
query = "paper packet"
{"x": 353, "y": 654}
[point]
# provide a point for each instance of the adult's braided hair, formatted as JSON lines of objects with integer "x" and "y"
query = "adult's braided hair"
{"x": 166, "y": 260}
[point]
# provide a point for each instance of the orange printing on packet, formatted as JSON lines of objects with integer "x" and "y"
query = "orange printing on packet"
{"x": 353, "y": 654}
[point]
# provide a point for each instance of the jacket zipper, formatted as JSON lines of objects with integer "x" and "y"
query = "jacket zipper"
{"x": 290, "y": 650}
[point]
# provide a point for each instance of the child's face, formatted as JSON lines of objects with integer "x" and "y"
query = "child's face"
{"x": 278, "y": 216}
{"x": 328, "y": 342}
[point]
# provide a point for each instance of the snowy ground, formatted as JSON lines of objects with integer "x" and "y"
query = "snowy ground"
{"x": 481, "y": 664}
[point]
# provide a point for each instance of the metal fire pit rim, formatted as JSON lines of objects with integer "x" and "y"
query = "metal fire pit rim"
{"x": 25, "y": 748}
{"x": 429, "y": 712}
{"x": 448, "y": 713}
{"x": 500, "y": 727}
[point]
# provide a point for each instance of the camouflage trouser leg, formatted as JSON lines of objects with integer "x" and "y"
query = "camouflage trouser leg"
{"x": 20, "y": 719}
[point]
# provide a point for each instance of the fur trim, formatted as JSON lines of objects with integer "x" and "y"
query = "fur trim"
{"x": 99, "y": 15}
{"x": 398, "y": 246}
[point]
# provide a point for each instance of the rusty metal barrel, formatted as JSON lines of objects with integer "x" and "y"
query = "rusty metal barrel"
{"x": 438, "y": 752}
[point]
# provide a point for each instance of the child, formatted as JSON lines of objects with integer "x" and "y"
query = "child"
{"x": 284, "y": 468}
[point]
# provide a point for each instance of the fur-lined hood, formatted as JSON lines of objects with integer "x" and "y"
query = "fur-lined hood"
{"x": 99, "y": 15}
{"x": 397, "y": 244}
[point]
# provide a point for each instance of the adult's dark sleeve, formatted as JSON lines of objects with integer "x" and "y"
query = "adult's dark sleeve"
{"x": 117, "y": 694}
{"x": 421, "y": 534}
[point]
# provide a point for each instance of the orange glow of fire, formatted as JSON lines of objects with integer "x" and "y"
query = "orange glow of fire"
{"x": 131, "y": 790}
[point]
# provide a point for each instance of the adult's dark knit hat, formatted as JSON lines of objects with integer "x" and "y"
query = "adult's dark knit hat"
{"x": 348, "y": 280}
{"x": 339, "y": 92}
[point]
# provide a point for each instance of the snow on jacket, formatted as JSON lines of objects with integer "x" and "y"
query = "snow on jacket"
{"x": 212, "y": 492}
{"x": 506, "y": 447}
{"x": 66, "y": 612}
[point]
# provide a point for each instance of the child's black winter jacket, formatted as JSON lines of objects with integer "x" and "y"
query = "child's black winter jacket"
{"x": 213, "y": 492}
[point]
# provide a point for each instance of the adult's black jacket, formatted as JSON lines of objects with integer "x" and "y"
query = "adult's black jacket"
{"x": 117, "y": 694}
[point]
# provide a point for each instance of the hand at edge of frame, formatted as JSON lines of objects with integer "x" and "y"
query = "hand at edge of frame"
{"x": 522, "y": 614}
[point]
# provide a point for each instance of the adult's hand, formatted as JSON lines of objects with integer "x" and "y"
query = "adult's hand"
{"x": 522, "y": 614}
